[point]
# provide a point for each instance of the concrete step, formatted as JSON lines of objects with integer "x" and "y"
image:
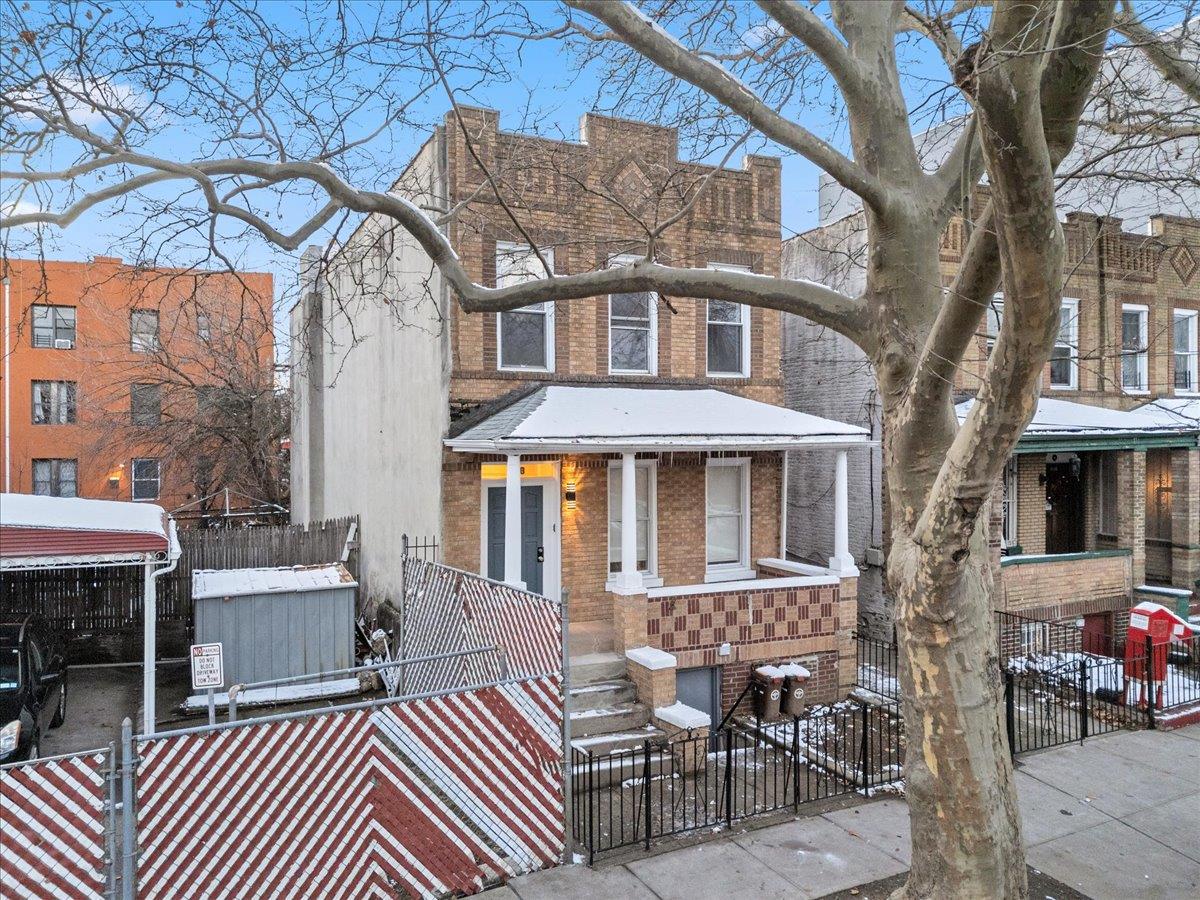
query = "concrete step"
{"x": 617, "y": 692}
{"x": 616, "y": 741}
{"x": 612, "y": 768}
{"x": 588, "y": 668}
{"x": 608, "y": 719}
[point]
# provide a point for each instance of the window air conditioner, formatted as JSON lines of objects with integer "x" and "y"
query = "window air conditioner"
{"x": 64, "y": 344}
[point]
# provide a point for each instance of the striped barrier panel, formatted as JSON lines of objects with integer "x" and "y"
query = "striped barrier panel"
{"x": 427, "y": 797}
{"x": 52, "y": 828}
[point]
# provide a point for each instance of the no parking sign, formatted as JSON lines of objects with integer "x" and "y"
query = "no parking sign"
{"x": 208, "y": 667}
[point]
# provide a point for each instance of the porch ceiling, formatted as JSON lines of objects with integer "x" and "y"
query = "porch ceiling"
{"x": 573, "y": 419}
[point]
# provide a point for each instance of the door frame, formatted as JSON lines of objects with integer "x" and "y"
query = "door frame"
{"x": 551, "y": 527}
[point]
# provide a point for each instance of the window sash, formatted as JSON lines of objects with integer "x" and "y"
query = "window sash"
{"x": 143, "y": 331}
{"x": 1009, "y": 504}
{"x": 631, "y": 337}
{"x": 53, "y": 323}
{"x": 1107, "y": 490}
{"x": 645, "y": 494}
{"x": 726, "y": 335}
{"x": 1134, "y": 351}
{"x": 56, "y": 477}
{"x": 145, "y": 404}
{"x": 1064, "y": 365}
{"x": 1186, "y": 351}
{"x": 515, "y": 265}
{"x": 53, "y": 403}
{"x": 726, "y": 523}
{"x": 146, "y": 480}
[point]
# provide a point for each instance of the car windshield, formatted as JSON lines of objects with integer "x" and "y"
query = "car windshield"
{"x": 10, "y": 673}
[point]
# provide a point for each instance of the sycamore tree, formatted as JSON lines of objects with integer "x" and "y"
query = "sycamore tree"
{"x": 224, "y": 122}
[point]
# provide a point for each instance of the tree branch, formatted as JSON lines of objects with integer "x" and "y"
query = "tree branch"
{"x": 1180, "y": 72}
{"x": 804, "y": 24}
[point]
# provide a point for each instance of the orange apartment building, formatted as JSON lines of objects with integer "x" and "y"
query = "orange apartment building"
{"x": 106, "y": 369}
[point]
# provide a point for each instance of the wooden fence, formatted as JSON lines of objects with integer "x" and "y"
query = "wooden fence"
{"x": 80, "y": 602}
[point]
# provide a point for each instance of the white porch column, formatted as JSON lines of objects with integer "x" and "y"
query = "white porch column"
{"x": 512, "y": 521}
{"x": 149, "y": 650}
{"x": 630, "y": 580}
{"x": 841, "y": 561}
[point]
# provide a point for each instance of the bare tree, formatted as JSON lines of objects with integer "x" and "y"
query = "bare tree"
{"x": 298, "y": 111}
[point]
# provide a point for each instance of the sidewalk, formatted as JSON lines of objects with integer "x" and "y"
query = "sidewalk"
{"x": 1118, "y": 817}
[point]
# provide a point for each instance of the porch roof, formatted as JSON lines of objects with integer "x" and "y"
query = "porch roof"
{"x": 1068, "y": 425}
{"x": 573, "y": 419}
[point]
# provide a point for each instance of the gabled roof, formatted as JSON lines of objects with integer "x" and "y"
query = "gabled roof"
{"x": 560, "y": 418}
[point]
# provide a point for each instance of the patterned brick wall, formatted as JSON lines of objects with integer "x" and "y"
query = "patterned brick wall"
{"x": 821, "y": 688}
{"x": 1055, "y": 589}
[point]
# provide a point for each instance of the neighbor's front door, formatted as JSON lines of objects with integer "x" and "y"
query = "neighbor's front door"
{"x": 1064, "y": 509}
{"x": 532, "y": 543}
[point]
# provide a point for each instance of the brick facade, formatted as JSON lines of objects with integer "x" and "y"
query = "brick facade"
{"x": 1066, "y": 587}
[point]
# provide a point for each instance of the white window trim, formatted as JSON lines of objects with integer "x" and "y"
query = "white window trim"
{"x": 1102, "y": 495}
{"x": 652, "y": 349}
{"x": 547, "y": 310}
{"x": 741, "y": 569}
{"x": 745, "y": 312}
{"x": 1193, "y": 316}
{"x": 133, "y": 480}
{"x": 1143, "y": 357}
{"x": 1009, "y": 496}
{"x": 1070, "y": 303}
{"x": 650, "y": 578}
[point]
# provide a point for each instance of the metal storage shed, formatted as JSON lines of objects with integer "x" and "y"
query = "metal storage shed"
{"x": 277, "y": 623}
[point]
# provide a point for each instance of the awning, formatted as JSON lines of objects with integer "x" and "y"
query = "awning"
{"x": 1065, "y": 425}
{"x": 52, "y": 532}
{"x": 570, "y": 419}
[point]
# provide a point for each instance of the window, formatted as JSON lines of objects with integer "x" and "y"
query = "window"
{"x": 993, "y": 315}
{"x": 1009, "y": 505}
{"x": 1106, "y": 485}
{"x": 203, "y": 327}
{"x": 526, "y": 335}
{"x": 146, "y": 479}
{"x": 727, "y": 509}
{"x": 54, "y": 326}
{"x": 644, "y": 490}
{"x": 632, "y": 331}
{"x": 55, "y": 477}
{"x": 53, "y": 402}
{"x": 143, "y": 331}
{"x": 728, "y": 326}
{"x": 1134, "y": 356}
{"x": 145, "y": 404}
{"x": 1187, "y": 352}
{"x": 1035, "y": 638}
{"x": 1064, "y": 358}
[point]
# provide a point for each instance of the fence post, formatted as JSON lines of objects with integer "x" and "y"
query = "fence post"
{"x": 864, "y": 745}
{"x": 728, "y": 777}
{"x": 1148, "y": 682}
{"x": 796, "y": 763}
{"x": 128, "y": 814}
{"x": 1010, "y": 725}
{"x": 568, "y": 795}
{"x": 646, "y": 787}
{"x": 110, "y": 824}
{"x": 1083, "y": 700}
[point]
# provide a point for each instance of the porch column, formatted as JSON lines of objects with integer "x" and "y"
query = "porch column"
{"x": 1185, "y": 520}
{"x": 841, "y": 561}
{"x": 1131, "y": 509}
{"x": 512, "y": 521}
{"x": 630, "y": 579}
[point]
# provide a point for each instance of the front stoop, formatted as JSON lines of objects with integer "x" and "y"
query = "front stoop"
{"x": 1178, "y": 718}
{"x": 602, "y": 704}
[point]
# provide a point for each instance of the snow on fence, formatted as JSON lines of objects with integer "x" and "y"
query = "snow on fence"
{"x": 53, "y": 827}
{"x": 426, "y": 797}
{"x": 446, "y": 609}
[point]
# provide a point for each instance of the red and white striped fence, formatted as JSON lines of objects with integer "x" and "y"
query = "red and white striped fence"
{"x": 52, "y": 828}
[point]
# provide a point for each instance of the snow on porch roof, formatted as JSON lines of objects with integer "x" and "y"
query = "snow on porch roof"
{"x": 565, "y": 419}
{"x": 40, "y": 532}
{"x": 1066, "y": 419}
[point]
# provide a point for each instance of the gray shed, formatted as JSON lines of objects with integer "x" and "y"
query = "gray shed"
{"x": 276, "y": 623}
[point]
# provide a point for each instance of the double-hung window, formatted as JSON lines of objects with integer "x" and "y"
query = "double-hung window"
{"x": 54, "y": 326}
{"x": 526, "y": 335}
{"x": 728, "y": 332}
{"x": 203, "y": 327}
{"x": 727, "y": 514}
{"x": 1135, "y": 376}
{"x": 143, "y": 331}
{"x": 1064, "y": 358}
{"x": 145, "y": 404}
{"x": 1186, "y": 352}
{"x": 1009, "y": 504}
{"x": 53, "y": 402}
{"x": 56, "y": 477}
{"x": 147, "y": 479}
{"x": 644, "y": 491}
{"x": 1107, "y": 484}
{"x": 632, "y": 331}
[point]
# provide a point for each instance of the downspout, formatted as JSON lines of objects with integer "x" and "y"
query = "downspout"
{"x": 149, "y": 624}
{"x": 7, "y": 394}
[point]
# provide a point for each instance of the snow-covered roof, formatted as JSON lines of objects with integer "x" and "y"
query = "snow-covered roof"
{"x": 1066, "y": 418}
{"x": 284, "y": 580}
{"x": 571, "y": 419}
{"x": 78, "y": 514}
{"x": 1183, "y": 412}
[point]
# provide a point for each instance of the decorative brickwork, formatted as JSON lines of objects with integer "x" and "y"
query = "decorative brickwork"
{"x": 1072, "y": 586}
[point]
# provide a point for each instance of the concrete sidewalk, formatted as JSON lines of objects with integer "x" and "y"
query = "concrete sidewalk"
{"x": 1117, "y": 817}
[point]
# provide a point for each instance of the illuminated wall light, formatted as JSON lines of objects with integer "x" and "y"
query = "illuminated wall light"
{"x": 570, "y": 494}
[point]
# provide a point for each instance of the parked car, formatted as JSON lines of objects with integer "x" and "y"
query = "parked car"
{"x": 33, "y": 686}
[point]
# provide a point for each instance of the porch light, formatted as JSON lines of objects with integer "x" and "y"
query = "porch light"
{"x": 570, "y": 495}
{"x": 114, "y": 477}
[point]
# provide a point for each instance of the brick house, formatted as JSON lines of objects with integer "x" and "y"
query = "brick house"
{"x": 1100, "y": 503}
{"x": 524, "y": 441}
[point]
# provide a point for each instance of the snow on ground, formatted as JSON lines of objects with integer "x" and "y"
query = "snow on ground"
{"x": 1104, "y": 673}
{"x": 286, "y": 693}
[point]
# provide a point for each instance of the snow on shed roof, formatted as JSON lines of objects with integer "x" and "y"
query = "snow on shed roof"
{"x": 284, "y": 580}
{"x": 598, "y": 418}
{"x": 1066, "y": 417}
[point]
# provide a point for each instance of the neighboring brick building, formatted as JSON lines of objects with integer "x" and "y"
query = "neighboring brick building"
{"x": 107, "y": 365}
{"x": 538, "y": 416}
{"x": 1101, "y": 500}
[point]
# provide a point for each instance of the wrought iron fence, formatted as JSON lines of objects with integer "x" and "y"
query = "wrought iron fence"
{"x": 877, "y": 667}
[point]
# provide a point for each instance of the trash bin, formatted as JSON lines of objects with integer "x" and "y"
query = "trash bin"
{"x": 768, "y": 692}
{"x": 795, "y": 677}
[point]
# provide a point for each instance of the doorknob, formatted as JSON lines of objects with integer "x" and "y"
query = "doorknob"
{"x": 541, "y": 554}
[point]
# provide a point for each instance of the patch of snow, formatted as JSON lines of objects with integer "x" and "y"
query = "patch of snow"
{"x": 683, "y": 716}
{"x": 78, "y": 514}
{"x": 1054, "y": 416}
{"x": 794, "y": 670}
{"x": 651, "y": 658}
{"x": 284, "y": 693}
{"x": 287, "y": 579}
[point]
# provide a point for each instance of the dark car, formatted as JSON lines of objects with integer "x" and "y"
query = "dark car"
{"x": 33, "y": 686}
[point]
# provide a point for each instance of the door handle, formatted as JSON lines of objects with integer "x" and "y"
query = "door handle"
{"x": 541, "y": 554}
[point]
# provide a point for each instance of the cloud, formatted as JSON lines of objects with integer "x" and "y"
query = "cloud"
{"x": 84, "y": 100}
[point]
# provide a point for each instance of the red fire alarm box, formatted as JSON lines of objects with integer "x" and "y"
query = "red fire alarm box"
{"x": 1152, "y": 627}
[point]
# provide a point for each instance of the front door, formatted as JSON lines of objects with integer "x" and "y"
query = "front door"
{"x": 1064, "y": 508}
{"x": 532, "y": 543}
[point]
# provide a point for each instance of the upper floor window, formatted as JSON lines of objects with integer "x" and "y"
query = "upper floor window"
{"x": 146, "y": 479}
{"x": 526, "y": 335}
{"x": 1135, "y": 376}
{"x": 727, "y": 514}
{"x": 728, "y": 327}
{"x": 1064, "y": 358}
{"x": 1187, "y": 352}
{"x": 53, "y": 402}
{"x": 632, "y": 331}
{"x": 145, "y": 404}
{"x": 54, "y": 326}
{"x": 203, "y": 327}
{"x": 56, "y": 477}
{"x": 143, "y": 331}
{"x": 1009, "y": 504}
{"x": 644, "y": 493}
